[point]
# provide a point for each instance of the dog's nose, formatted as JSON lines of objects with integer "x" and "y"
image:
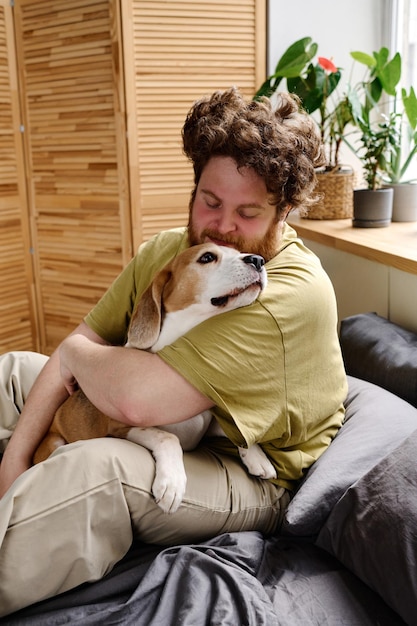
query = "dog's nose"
{"x": 256, "y": 260}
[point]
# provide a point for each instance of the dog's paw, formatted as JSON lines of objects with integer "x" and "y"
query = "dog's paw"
{"x": 257, "y": 462}
{"x": 168, "y": 488}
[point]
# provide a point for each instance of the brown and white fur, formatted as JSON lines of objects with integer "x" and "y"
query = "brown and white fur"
{"x": 201, "y": 282}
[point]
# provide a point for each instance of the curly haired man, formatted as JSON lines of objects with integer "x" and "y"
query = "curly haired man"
{"x": 271, "y": 373}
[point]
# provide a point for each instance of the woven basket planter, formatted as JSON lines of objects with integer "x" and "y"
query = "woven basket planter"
{"x": 335, "y": 190}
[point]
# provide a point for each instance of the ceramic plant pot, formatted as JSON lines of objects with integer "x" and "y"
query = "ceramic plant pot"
{"x": 372, "y": 208}
{"x": 404, "y": 208}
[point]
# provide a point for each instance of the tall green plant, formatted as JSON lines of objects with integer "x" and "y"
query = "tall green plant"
{"x": 404, "y": 151}
{"x": 383, "y": 131}
{"x": 378, "y": 142}
{"x": 313, "y": 83}
{"x": 292, "y": 64}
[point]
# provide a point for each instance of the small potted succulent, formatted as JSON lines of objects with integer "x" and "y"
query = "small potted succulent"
{"x": 315, "y": 83}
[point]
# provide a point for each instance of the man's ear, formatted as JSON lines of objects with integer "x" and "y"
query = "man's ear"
{"x": 146, "y": 322}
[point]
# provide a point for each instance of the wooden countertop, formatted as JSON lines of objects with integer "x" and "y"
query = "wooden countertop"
{"x": 394, "y": 245}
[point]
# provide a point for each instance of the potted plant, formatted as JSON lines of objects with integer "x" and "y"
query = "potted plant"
{"x": 405, "y": 149}
{"x": 381, "y": 134}
{"x": 402, "y": 155}
{"x": 372, "y": 206}
{"x": 316, "y": 86}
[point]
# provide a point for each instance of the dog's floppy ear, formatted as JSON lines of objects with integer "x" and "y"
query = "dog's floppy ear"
{"x": 146, "y": 322}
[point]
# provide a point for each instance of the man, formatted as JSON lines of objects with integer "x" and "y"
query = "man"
{"x": 272, "y": 373}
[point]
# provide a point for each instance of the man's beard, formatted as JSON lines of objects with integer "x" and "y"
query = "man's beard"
{"x": 266, "y": 246}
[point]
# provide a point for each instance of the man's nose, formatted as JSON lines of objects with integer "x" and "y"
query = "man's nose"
{"x": 225, "y": 223}
{"x": 256, "y": 260}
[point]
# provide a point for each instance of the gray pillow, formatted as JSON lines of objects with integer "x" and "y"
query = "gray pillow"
{"x": 372, "y": 530}
{"x": 376, "y": 423}
{"x": 381, "y": 352}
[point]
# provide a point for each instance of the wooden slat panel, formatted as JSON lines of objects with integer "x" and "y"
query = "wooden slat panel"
{"x": 72, "y": 93}
{"x": 175, "y": 53}
{"x": 17, "y": 309}
{"x": 71, "y": 78}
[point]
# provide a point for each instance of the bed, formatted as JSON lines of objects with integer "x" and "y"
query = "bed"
{"x": 347, "y": 554}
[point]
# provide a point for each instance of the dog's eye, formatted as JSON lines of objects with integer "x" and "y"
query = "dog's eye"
{"x": 207, "y": 257}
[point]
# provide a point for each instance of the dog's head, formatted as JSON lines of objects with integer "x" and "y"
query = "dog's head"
{"x": 202, "y": 281}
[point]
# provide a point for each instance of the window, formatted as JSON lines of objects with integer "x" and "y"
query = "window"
{"x": 404, "y": 39}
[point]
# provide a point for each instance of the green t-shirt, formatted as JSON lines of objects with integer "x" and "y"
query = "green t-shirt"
{"x": 273, "y": 369}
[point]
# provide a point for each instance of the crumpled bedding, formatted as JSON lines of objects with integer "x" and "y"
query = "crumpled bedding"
{"x": 235, "y": 579}
{"x": 298, "y": 578}
{"x": 319, "y": 572}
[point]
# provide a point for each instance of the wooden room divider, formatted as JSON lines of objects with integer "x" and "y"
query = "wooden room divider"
{"x": 93, "y": 96}
{"x": 18, "y": 323}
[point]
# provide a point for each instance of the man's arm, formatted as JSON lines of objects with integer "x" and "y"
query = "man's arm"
{"x": 46, "y": 395}
{"x": 132, "y": 386}
{"x": 129, "y": 385}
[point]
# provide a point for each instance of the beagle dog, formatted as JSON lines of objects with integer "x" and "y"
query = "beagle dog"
{"x": 201, "y": 282}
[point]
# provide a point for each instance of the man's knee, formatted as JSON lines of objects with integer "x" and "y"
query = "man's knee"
{"x": 72, "y": 507}
{"x": 84, "y": 481}
{"x": 18, "y": 372}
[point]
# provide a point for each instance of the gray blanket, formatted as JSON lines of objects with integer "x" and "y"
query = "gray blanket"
{"x": 233, "y": 580}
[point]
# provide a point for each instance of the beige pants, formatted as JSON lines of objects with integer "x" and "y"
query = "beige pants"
{"x": 69, "y": 519}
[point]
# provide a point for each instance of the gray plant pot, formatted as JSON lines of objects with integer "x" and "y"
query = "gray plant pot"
{"x": 372, "y": 208}
{"x": 404, "y": 208}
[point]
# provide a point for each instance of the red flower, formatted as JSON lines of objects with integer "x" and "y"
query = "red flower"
{"x": 327, "y": 65}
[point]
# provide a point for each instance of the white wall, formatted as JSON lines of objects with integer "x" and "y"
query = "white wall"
{"x": 362, "y": 285}
{"x": 338, "y": 27}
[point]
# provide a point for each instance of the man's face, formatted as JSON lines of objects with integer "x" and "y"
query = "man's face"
{"x": 232, "y": 207}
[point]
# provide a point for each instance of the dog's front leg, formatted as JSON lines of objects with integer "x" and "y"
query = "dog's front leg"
{"x": 170, "y": 479}
{"x": 254, "y": 458}
{"x": 257, "y": 462}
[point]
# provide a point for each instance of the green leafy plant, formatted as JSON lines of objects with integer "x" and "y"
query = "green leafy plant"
{"x": 384, "y": 132}
{"x": 377, "y": 142}
{"x": 384, "y": 138}
{"x": 404, "y": 149}
{"x": 315, "y": 84}
{"x": 292, "y": 64}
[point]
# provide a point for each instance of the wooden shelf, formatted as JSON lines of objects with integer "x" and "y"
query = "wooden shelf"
{"x": 394, "y": 245}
